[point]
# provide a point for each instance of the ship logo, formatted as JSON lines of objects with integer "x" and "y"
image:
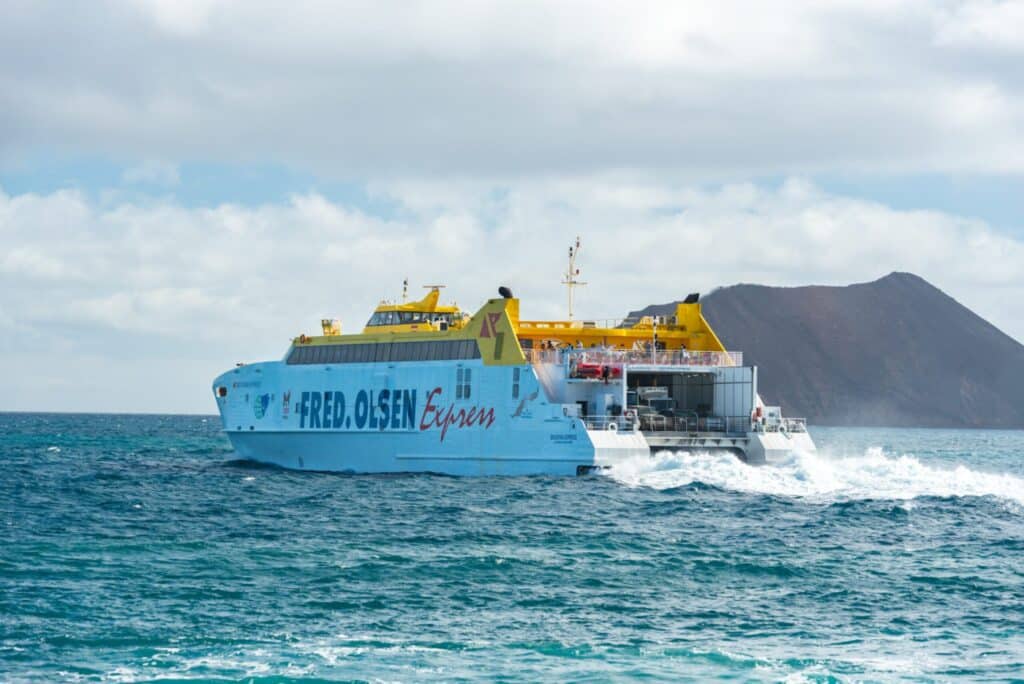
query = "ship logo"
{"x": 489, "y": 326}
{"x": 259, "y": 407}
{"x": 521, "y": 410}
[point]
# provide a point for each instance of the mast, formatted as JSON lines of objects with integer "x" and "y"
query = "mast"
{"x": 572, "y": 273}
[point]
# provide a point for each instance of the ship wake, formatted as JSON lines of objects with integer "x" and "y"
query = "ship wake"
{"x": 820, "y": 477}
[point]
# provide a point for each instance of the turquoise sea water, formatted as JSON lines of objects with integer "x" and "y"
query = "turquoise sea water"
{"x": 135, "y": 548}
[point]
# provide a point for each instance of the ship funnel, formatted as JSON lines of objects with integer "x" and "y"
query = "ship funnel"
{"x": 505, "y": 292}
{"x": 692, "y": 298}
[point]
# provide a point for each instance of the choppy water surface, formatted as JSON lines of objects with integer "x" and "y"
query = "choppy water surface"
{"x": 135, "y": 548}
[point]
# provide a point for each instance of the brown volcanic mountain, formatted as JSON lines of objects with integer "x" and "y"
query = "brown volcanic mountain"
{"x": 895, "y": 352}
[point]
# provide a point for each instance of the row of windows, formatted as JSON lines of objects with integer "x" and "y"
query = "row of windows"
{"x": 408, "y": 317}
{"x": 441, "y": 350}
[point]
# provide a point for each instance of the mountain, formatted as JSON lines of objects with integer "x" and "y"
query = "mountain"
{"x": 895, "y": 352}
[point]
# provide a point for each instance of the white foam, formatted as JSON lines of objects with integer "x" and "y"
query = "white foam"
{"x": 821, "y": 477}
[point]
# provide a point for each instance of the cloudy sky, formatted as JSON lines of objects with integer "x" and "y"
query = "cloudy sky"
{"x": 184, "y": 185}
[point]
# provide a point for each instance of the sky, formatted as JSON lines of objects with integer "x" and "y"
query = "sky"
{"x": 187, "y": 185}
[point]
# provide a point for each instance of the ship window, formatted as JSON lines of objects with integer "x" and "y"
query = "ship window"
{"x": 462, "y": 383}
{"x": 515, "y": 383}
{"x": 425, "y": 350}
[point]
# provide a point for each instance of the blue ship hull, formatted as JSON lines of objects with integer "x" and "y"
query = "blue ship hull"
{"x": 402, "y": 417}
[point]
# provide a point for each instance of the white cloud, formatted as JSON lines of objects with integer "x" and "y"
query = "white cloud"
{"x": 362, "y": 89}
{"x": 985, "y": 25}
{"x": 168, "y": 296}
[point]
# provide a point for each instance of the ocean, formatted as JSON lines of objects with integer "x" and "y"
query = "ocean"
{"x": 137, "y": 548}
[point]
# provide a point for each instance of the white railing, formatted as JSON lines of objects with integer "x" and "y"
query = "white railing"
{"x": 694, "y": 424}
{"x": 781, "y": 425}
{"x": 795, "y": 424}
{"x": 617, "y": 358}
{"x": 610, "y": 423}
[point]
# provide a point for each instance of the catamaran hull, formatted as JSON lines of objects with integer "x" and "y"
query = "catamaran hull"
{"x": 368, "y": 419}
{"x": 367, "y": 454}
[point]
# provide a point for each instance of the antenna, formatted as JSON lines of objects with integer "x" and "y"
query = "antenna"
{"x": 572, "y": 273}
{"x": 405, "y": 289}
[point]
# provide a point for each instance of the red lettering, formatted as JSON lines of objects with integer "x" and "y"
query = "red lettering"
{"x": 449, "y": 420}
{"x": 488, "y": 416}
{"x": 444, "y": 417}
{"x": 428, "y": 408}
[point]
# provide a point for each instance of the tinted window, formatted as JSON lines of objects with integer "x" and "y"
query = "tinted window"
{"x": 432, "y": 350}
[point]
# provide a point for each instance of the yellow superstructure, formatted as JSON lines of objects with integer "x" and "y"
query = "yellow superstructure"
{"x": 425, "y": 315}
{"x": 686, "y": 329}
{"x": 502, "y": 336}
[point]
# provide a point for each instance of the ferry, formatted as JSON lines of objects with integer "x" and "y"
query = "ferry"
{"x": 426, "y": 387}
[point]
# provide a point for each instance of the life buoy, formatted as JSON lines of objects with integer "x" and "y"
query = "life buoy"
{"x": 612, "y": 427}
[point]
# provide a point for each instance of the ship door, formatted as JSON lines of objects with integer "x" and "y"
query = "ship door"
{"x": 584, "y": 405}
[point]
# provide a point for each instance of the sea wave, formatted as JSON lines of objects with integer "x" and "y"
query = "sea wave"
{"x": 821, "y": 476}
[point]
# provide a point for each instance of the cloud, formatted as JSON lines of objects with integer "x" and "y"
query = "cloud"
{"x": 989, "y": 25}
{"x": 364, "y": 90}
{"x": 111, "y": 296}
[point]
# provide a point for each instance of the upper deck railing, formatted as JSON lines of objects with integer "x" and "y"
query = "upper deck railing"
{"x": 616, "y": 358}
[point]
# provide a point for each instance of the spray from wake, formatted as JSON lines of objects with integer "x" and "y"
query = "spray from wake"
{"x": 820, "y": 477}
